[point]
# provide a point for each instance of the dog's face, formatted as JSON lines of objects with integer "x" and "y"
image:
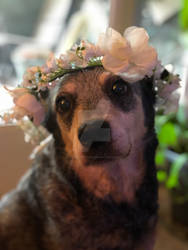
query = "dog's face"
{"x": 102, "y": 124}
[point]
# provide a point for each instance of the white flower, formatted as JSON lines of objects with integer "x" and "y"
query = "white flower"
{"x": 130, "y": 56}
{"x": 158, "y": 70}
{"x": 168, "y": 98}
{"x": 33, "y": 134}
{"x": 172, "y": 85}
{"x": 171, "y": 104}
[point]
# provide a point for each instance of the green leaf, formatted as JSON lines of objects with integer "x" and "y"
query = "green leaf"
{"x": 161, "y": 176}
{"x": 183, "y": 17}
{"x": 181, "y": 115}
{"x": 160, "y": 120}
{"x": 186, "y": 134}
{"x": 176, "y": 166}
{"x": 167, "y": 136}
{"x": 160, "y": 158}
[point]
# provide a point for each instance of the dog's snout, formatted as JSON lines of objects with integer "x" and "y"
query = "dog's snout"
{"x": 94, "y": 133}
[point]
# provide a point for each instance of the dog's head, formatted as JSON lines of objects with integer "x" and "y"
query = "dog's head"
{"x": 104, "y": 124}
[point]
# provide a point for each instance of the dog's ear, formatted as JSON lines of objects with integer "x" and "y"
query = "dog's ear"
{"x": 148, "y": 90}
{"x": 148, "y": 99}
{"x": 50, "y": 121}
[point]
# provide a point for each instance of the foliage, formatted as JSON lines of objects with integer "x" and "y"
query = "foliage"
{"x": 172, "y": 133}
{"x": 183, "y": 16}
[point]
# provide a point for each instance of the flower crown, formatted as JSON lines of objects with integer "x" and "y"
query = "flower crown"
{"x": 130, "y": 56}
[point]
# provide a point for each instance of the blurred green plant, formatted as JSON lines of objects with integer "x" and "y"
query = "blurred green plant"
{"x": 183, "y": 16}
{"x": 172, "y": 153}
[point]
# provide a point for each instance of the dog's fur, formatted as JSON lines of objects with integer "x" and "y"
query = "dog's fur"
{"x": 71, "y": 199}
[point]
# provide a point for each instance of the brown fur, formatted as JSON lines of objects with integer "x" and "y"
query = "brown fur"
{"x": 102, "y": 181}
{"x": 68, "y": 200}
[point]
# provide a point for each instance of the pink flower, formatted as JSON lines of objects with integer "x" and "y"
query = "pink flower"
{"x": 45, "y": 69}
{"x": 90, "y": 50}
{"x": 130, "y": 56}
{"x": 50, "y": 66}
{"x": 116, "y": 51}
{"x": 30, "y": 104}
{"x": 73, "y": 58}
{"x": 51, "y": 62}
{"x": 17, "y": 92}
{"x": 69, "y": 60}
{"x": 63, "y": 61}
{"x": 30, "y": 76}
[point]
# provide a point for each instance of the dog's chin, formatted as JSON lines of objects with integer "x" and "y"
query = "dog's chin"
{"x": 97, "y": 160}
{"x": 104, "y": 156}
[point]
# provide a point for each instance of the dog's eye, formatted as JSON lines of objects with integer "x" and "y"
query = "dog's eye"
{"x": 63, "y": 104}
{"x": 119, "y": 88}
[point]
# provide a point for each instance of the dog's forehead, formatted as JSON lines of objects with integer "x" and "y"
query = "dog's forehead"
{"x": 84, "y": 80}
{"x": 83, "y": 85}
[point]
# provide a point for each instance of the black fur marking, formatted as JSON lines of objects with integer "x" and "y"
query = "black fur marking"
{"x": 67, "y": 116}
{"x": 125, "y": 102}
{"x": 148, "y": 99}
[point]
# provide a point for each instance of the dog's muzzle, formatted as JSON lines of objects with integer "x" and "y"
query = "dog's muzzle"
{"x": 95, "y": 134}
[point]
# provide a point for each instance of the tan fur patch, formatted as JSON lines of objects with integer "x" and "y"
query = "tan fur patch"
{"x": 103, "y": 77}
{"x": 70, "y": 88}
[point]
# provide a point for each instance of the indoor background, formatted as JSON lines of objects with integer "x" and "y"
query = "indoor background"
{"x": 29, "y": 30}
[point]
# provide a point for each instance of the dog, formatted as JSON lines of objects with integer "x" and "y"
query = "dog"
{"x": 94, "y": 186}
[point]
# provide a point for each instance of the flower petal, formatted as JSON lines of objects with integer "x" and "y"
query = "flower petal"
{"x": 170, "y": 87}
{"x": 171, "y": 104}
{"x": 51, "y": 62}
{"x": 90, "y": 51}
{"x": 148, "y": 56}
{"x": 132, "y": 75}
{"x": 113, "y": 64}
{"x": 114, "y": 43}
{"x": 143, "y": 55}
{"x": 32, "y": 106}
{"x": 137, "y": 37}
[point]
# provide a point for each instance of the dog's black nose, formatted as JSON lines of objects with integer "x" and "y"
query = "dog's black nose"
{"x": 95, "y": 133}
